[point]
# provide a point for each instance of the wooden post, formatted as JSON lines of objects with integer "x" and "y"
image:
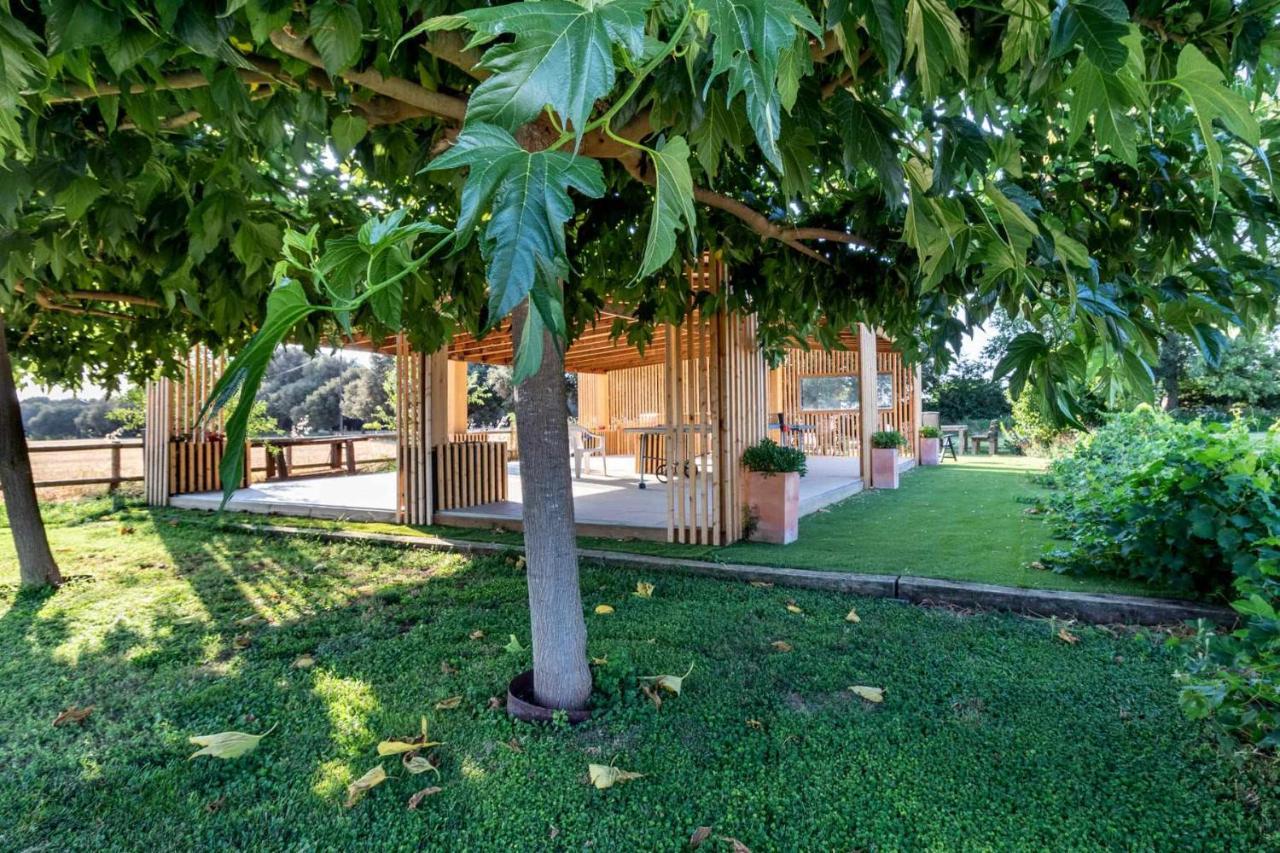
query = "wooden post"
{"x": 155, "y": 447}
{"x": 867, "y": 409}
{"x": 457, "y": 397}
{"x": 916, "y": 406}
{"x": 115, "y": 467}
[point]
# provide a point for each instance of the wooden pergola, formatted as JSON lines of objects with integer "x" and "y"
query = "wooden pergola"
{"x": 698, "y": 395}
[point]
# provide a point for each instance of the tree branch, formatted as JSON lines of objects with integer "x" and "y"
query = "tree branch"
{"x": 396, "y": 88}
{"x": 88, "y": 296}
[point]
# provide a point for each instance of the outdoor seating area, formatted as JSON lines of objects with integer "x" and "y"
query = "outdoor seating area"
{"x": 655, "y": 448}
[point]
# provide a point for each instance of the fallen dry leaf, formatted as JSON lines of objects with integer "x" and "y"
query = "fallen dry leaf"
{"x": 242, "y": 641}
{"x": 520, "y": 564}
{"x": 735, "y": 845}
{"x": 450, "y": 704}
{"x": 364, "y": 784}
{"x": 852, "y": 616}
{"x": 227, "y": 744}
{"x": 126, "y": 530}
{"x": 781, "y": 646}
{"x": 304, "y": 662}
{"x": 606, "y": 775}
{"x": 73, "y": 715}
{"x": 395, "y": 747}
{"x": 755, "y": 724}
{"x": 417, "y": 798}
{"x": 603, "y": 609}
{"x": 495, "y": 702}
{"x": 644, "y": 590}
{"x": 1038, "y": 566}
{"x": 670, "y": 683}
{"x": 600, "y": 661}
{"x": 514, "y": 746}
{"x": 871, "y": 694}
{"x": 476, "y": 635}
{"x": 653, "y": 695}
{"x": 1067, "y": 637}
{"x": 416, "y": 764}
{"x": 700, "y": 835}
{"x": 762, "y": 584}
{"x": 792, "y": 607}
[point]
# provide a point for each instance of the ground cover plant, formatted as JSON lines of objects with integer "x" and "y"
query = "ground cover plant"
{"x": 1189, "y": 506}
{"x": 993, "y": 730}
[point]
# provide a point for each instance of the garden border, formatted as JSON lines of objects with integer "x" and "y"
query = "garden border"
{"x": 1101, "y": 608}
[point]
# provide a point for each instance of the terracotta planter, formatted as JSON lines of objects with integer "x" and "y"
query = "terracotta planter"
{"x": 774, "y": 503}
{"x": 522, "y": 704}
{"x": 929, "y": 450}
{"x": 884, "y": 467}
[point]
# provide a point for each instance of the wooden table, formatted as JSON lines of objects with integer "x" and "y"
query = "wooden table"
{"x": 645, "y": 452}
{"x": 959, "y": 430}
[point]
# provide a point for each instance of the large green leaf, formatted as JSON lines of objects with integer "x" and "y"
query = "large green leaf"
{"x": 336, "y": 29}
{"x": 935, "y": 227}
{"x": 347, "y": 132}
{"x": 1111, "y": 100}
{"x": 526, "y": 195}
{"x": 962, "y": 147}
{"x": 883, "y": 20}
{"x": 1025, "y": 33}
{"x": 867, "y": 133}
{"x": 672, "y": 204}
{"x": 720, "y": 126}
{"x": 561, "y": 55}
{"x": 1096, "y": 25}
{"x": 750, "y": 36}
{"x": 937, "y": 42}
{"x": 1211, "y": 99}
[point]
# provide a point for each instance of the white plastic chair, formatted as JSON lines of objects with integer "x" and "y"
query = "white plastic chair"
{"x": 584, "y": 443}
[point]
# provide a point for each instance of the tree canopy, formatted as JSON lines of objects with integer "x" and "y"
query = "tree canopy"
{"x": 1101, "y": 170}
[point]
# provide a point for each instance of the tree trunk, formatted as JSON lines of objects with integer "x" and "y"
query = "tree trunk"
{"x": 1169, "y": 371}
{"x": 35, "y": 561}
{"x": 561, "y": 675}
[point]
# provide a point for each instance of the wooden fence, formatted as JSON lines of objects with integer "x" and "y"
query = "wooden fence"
{"x": 111, "y": 480}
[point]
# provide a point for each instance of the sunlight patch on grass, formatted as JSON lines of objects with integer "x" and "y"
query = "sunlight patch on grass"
{"x": 350, "y": 702}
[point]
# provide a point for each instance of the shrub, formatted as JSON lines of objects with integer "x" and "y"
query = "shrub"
{"x": 1181, "y": 505}
{"x": 930, "y": 432}
{"x": 889, "y": 439}
{"x": 1234, "y": 678}
{"x": 968, "y": 393}
{"x": 768, "y": 457}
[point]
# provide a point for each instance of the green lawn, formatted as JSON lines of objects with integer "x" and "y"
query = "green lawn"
{"x": 993, "y": 733}
{"x": 959, "y": 521}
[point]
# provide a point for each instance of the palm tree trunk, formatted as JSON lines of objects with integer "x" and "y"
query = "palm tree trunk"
{"x": 561, "y": 675}
{"x": 36, "y": 566}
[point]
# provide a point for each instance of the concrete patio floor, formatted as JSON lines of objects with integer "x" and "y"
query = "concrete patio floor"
{"x": 609, "y": 505}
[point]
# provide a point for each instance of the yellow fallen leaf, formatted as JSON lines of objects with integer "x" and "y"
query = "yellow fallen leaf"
{"x": 852, "y": 616}
{"x": 670, "y": 683}
{"x": 781, "y": 645}
{"x": 242, "y": 641}
{"x": 644, "y": 590}
{"x": 361, "y": 786}
{"x": 871, "y": 694}
{"x": 792, "y": 607}
{"x": 304, "y": 662}
{"x": 603, "y": 609}
{"x": 227, "y": 744}
{"x": 1067, "y": 637}
{"x": 600, "y": 661}
{"x": 755, "y": 724}
{"x": 450, "y": 704}
{"x": 700, "y": 835}
{"x": 520, "y": 564}
{"x": 395, "y": 747}
{"x": 513, "y": 645}
{"x": 762, "y": 584}
{"x": 476, "y": 635}
{"x": 417, "y": 798}
{"x": 606, "y": 775}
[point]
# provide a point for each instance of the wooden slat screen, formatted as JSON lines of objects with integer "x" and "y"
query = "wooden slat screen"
{"x": 413, "y": 435}
{"x": 835, "y": 432}
{"x": 899, "y": 415}
{"x": 470, "y": 473}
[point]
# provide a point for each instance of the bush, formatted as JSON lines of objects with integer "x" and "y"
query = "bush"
{"x": 889, "y": 439}
{"x": 1179, "y": 505}
{"x": 1234, "y": 679}
{"x": 930, "y": 432}
{"x": 768, "y": 457}
{"x": 968, "y": 393}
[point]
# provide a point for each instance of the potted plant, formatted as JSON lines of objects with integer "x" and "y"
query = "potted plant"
{"x": 930, "y": 445}
{"x": 773, "y": 491}
{"x": 884, "y": 458}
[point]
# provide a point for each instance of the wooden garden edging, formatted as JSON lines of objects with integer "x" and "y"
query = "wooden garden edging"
{"x": 1100, "y": 608}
